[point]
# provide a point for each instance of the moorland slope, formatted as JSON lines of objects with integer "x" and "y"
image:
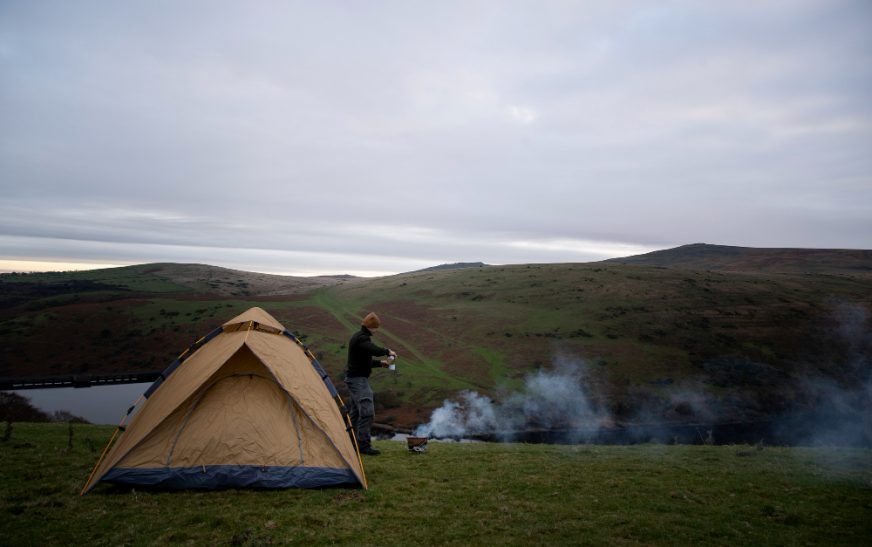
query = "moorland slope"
{"x": 703, "y": 256}
{"x": 653, "y": 343}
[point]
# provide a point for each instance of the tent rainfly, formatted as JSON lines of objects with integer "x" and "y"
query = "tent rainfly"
{"x": 246, "y": 406}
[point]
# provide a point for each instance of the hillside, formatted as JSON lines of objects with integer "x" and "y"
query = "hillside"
{"x": 702, "y": 256}
{"x": 453, "y": 266}
{"x": 162, "y": 278}
{"x": 643, "y": 343}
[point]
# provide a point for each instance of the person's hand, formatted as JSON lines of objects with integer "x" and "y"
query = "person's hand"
{"x": 385, "y": 364}
{"x": 392, "y": 353}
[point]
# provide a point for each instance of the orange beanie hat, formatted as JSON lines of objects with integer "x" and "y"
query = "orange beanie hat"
{"x": 371, "y": 321}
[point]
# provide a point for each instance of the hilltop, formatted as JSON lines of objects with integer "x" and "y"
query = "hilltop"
{"x": 168, "y": 277}
{"x": 652, "y": 343}
{"x": 454, "y": 266}
{"x": 702, "y": 256}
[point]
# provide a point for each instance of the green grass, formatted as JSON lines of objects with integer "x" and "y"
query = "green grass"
{"x": 343, "y": 311}
{"x": 458, "y": 494}
{"x": 497, "y": 362}
{"x": 418, "y": 370}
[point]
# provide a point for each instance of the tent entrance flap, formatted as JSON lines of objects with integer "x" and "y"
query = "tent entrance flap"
{"x": 209, "y": 433}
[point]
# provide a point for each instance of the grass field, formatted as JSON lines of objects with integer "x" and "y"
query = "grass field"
{"x": 458, "y": 494}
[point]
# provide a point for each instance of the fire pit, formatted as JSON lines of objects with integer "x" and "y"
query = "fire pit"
{"x": 417, "y": 445}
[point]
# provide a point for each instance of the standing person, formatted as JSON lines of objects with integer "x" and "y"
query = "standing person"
{"x": 361, "y": 353}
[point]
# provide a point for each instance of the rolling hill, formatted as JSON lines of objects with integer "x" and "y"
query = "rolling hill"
{"x": 647, "y": 343}
{"x": 702, "y": 256}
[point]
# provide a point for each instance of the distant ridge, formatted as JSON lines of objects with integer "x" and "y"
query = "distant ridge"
{"x": 455, "y": 266}
{"x": 207, "y": 279}
{"x": 173, "y": 277}
{"x": 704, "y": 256}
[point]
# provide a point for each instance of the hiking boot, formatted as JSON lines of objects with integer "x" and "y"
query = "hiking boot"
{"x": 370, "y": 451}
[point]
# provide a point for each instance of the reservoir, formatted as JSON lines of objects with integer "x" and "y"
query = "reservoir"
{"x": 105, "y": 404}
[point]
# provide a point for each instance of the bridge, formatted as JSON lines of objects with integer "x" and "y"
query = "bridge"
{"x": 77, "y": 380}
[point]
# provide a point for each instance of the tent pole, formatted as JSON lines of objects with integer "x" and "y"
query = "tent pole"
{"x": 354, "y": 440}
{"x": 103, "y": 455}
{"x": 99, "y": 461}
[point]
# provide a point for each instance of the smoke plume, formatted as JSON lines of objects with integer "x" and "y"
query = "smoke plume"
{"x": 553, "y": 399}
{"x": 838, "y": 410}
{"x": 824, "y": 397}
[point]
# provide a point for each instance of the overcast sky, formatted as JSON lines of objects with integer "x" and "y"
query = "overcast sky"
{"x": 380, "y": 137}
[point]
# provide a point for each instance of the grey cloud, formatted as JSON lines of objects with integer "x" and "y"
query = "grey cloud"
{"x": 286, "y": 126}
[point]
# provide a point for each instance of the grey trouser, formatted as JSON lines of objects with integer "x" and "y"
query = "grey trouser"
{"x": 362, "y": 410}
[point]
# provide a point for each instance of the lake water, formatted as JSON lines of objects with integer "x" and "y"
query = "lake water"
{"x": 97, "y": 404}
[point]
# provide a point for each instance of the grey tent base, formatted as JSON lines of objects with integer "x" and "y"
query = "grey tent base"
{"x": 212, "y": 477}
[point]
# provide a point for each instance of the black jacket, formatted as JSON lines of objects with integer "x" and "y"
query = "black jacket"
{"x": 361, "y": 351}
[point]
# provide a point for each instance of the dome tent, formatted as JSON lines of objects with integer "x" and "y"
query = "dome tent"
{"x": 246, "y": 406}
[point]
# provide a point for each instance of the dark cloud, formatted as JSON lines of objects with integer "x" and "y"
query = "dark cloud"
{"x": 403, "y": 134}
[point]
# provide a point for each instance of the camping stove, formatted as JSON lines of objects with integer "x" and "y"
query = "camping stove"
{"x": 417, "y": 445}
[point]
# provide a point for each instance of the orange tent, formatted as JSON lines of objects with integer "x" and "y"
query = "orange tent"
{"x": 246, "y": 406}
